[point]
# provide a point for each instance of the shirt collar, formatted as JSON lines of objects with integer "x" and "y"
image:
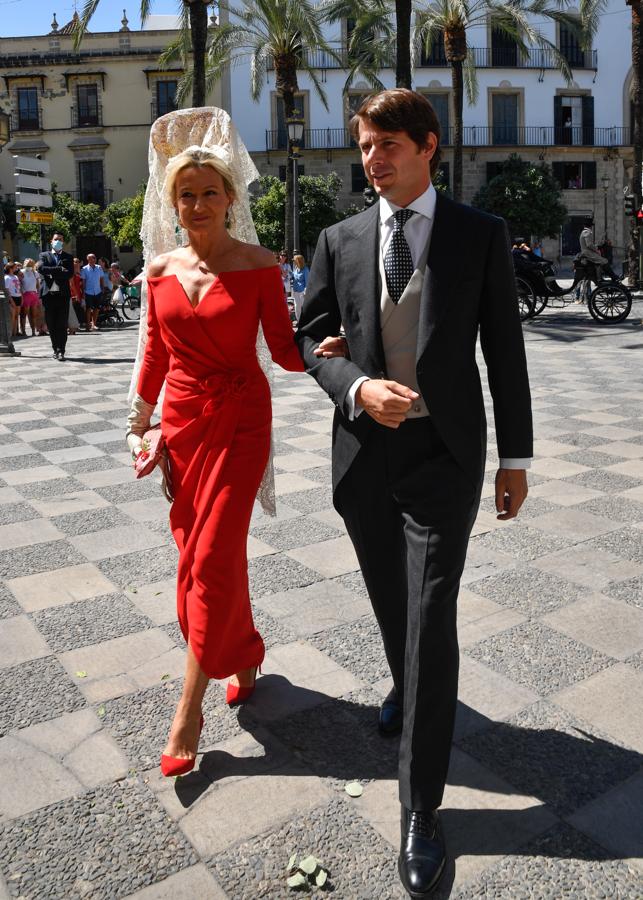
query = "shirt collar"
{"x": 424, "y": 205}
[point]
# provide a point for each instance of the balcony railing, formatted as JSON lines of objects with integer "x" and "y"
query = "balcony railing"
{"x": 22, "y": 122}
{"x": 156, "y": 110}
{"x": 82, "y": 117}
{"x": 101, "y": 198}
{"x": 473, "y": 136}
{"x": 483, "y": 57}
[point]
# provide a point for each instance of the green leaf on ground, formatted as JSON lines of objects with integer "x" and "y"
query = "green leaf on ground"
{"x": 354, "y": 789}
{"x": 291, "y": 862}
{"x": 81, "y": 674}
{"x": 296, "y": 880}
{"x": 165, "y": 677}
{"x": 100, "y": 712}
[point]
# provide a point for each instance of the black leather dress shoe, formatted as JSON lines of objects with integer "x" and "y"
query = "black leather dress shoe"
{"x": 422, "y": 853}
{"x": 390, "y": 719}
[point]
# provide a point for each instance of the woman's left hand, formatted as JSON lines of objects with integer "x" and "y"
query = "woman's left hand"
{"x": 333, "y": 346}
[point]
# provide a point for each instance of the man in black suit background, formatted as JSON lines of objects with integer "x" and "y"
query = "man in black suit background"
{"x": 409, "y": 433}
{"x": 57, "y": 267}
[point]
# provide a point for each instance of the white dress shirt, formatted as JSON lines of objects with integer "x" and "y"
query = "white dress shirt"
{"x": 417, "y": 232}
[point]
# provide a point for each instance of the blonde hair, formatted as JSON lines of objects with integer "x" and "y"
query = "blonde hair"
{"x": 197, "y": 157}
{"x": 30, "y": 263}
{"x": 299, "y": 261}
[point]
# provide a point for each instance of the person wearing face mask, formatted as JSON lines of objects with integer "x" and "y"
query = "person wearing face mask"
{"x": 57, "y": 268}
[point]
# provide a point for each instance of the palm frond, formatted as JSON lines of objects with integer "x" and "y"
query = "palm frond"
{"x": 589, "y": 12}
{"x": 89, "y": 9}
{"x": 470, "y": 78}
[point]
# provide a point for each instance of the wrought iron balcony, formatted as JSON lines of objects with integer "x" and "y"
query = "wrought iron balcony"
{"x": 31, "y": 121}
{"x": 483, "y": 57}
{"x": 472, "y": 136}
{"x": 86, "y": 117}
{"x": 101, "y": 197}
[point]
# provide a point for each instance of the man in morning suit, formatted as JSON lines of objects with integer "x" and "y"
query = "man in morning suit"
{"x": 409, "y": 433}
{"x": 57, "y": 267}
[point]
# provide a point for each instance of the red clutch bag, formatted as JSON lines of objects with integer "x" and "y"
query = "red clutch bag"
{"x": 152, "y": 453}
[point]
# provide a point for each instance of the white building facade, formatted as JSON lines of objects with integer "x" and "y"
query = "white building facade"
{"x": 583, "y": 130}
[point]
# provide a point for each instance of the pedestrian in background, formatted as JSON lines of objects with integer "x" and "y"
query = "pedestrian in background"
{"x": 30, "y": 294}
{"x": 77, "y": 292}
{"x": 94, "y": 283}
{"x": 14, "y": 293}
{"x": 57, "y": 268}
{"x": 300, "y": 273}
{"x": 286, "y": 272}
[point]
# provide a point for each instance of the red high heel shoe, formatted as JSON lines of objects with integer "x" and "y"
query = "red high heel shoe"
{"x": 171, "y": 766}
{"x": 236, "y": 693}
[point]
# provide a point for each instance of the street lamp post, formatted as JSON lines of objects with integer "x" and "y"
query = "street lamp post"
{"x": 606, "y": 183}
{"x": 295, "y": 135}
{"x": 6, "y": 344}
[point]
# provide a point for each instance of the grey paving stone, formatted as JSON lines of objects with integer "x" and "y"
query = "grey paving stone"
{"x": 539, "y": 657}
{"x": 336, "y": 834}
{"x": 173, "y": 631}
{"x": 322, "y": 474}
{"x": 106, "y": 844}
{"x": 579, "y": 439}
{"x": 603, "y": 480}
{"x": 281, "y": 432}
{"x": 630, "y": 590}
{"x": 73, "y": 524}
{"x": 531, "y": 591}
{"x": 27, "y": 461}
{"x": 354, "y": 582}
{"x": 8, "y": 605}
{"x": 533, "y": 751}
{"x": 89, "y": 622}
{"x": 520, "y": 541}
{"x": 45, "y": 490}
{"x": 91, "y": 427}
{"x": 38, "y": 558}
{"x": 29, "y": 424}
{"x": 140, "y": 722}
{"x": 298, "y": 532}
{"x": 269, "y": 574}
{"x": 272, "y": 631}
{"x": 561, "y": 863}
{"x": 119, "y": 446}
{"x": 142, "y": 567}
{"x": 591, "y": 458}
{"x": 50, "y": 691}
{"x": 300, "y": 414}
{"x": 91, "y": 464}
{"x": 310, "y": 501}
{"x": 162, "y": 528}
{"x": 532, "y": 507}
{"x": 626, "y": 543}
{"x": 59, "y": 443}
{"x": 10, "y": 438}
{"x": 10, "y": 513}
{"x": 636, "y": 661}
{"x": 139, "y": 489}
{"x": 357, "y": 647}
{"x": 619, "y": 509}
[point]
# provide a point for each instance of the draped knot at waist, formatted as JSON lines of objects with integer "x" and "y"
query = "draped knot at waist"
{"x": 222, "y": 386}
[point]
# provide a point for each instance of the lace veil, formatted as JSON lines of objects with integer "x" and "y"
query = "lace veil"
{"x": 211, "y": 129}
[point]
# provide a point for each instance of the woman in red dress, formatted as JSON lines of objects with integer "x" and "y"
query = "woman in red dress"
{"x": 205, "y": 303}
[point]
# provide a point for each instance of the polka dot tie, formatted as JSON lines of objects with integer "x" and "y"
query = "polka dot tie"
{"x": 398, "y": 262}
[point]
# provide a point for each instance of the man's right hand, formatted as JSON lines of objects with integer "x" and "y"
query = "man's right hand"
{"x": 385, "y": 401}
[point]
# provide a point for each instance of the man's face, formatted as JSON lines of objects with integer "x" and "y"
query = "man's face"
{"x": 57, "y": 240}
{"x": 394, "y": 164}
{"x": 91, "y": 260}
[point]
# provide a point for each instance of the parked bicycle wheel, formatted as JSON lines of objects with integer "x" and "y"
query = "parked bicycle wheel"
{"x": 131, "y": 309}
{"x": 610, "y": 303}
{"x": 526, "y": 299}
{"x": 540, "y": 304}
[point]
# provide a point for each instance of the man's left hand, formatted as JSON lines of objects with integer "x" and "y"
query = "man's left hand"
{"x": 511, "y": 491}
{"x": 331, "y": 347}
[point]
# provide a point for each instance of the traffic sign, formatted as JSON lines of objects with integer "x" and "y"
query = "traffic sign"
{"x": 33, "y": 187}
{"x": 33, "y": 216}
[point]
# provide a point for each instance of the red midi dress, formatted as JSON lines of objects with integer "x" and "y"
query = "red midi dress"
{"x": 216, "y": 420}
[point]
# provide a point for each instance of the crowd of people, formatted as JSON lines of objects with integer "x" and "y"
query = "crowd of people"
{"x": 93, "y": 288}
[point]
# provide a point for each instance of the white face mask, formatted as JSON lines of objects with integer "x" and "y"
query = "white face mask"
{"x": 57, "y": 245}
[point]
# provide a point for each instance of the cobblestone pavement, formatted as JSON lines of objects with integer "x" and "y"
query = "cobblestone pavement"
{"x": 545, "y": 794}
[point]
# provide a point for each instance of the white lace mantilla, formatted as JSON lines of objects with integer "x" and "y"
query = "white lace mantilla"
{"x": 211, "y": 129}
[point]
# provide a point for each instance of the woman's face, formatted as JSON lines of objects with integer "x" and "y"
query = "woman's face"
{"x": 201, "y": 198}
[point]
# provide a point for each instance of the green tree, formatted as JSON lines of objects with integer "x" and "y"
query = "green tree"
{"x": 271, "y": 33}
{"x": 122, "y": 220}
{"x": 71, "y": 218}
{"x": 193, "y": 37}
{"x": 317, "y": 208}
{"x": 527, "y": 196}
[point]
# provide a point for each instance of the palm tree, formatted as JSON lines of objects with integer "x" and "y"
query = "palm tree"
{"x": 279, "y": 34}
{"x": 194, "y": 36}
{"x": 450, "y": 20}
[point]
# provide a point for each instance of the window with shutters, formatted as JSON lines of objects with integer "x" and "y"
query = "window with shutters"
{"x": 570, "y": 47}
{"x": 165, "y": 97}
{"x": 504, "y": 112}
{"x": 574, "y": 120}
{"x": 91, "y": 181}
{"x": 575, "y": 176}
{"x": 440, "y": 103}
{"x": 27, "y": 102}
{"x": 87, "y": 104}
{"x": 279, "y": 125}
{"x": 504, "y": 50}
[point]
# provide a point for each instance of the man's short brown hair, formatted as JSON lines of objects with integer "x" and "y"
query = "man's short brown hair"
{"x": 401, "y": 110}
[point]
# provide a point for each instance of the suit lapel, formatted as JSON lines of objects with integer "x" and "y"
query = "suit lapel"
{"x": 439, "y": 272}
{"x": 365, "y": 251}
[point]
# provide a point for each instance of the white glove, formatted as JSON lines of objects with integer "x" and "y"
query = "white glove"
{"x": 138, "y": 422}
